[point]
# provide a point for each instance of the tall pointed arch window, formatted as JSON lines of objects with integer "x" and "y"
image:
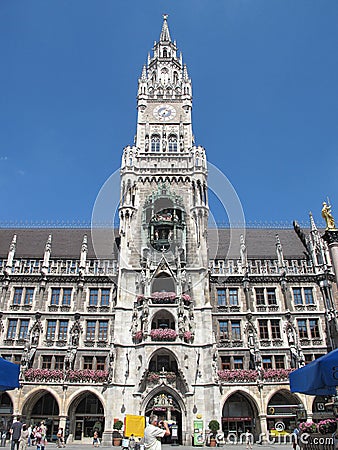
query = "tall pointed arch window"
{"x": 172, "y": 140}
{"x": 155, "y": 143}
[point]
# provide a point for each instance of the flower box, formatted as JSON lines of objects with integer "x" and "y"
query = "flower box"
{"x": 163, "y": 297}
{"x": 163, "y": 334}
{"x": 75, "y": 376}
{"x": 242, "y": 375}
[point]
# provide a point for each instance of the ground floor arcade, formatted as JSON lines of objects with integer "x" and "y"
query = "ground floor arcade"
{"x": 81, "y": 410}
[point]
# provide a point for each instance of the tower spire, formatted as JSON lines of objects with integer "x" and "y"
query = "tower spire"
{"x": 165, "y": 35}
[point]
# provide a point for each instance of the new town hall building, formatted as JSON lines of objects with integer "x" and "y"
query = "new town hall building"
{"x": 155, "y": 322}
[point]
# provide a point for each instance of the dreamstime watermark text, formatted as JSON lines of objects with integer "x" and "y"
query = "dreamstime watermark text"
{"x": 266, "y": 438}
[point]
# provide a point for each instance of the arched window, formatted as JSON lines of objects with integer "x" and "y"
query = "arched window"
{"x": 172, "y": 143}
{"x": 165, "y": 54}
{"x": 175, "y": 78}
{"x": 155, "y": 143}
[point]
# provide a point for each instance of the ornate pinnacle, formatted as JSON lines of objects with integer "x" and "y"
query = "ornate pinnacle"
{"x": 165, "y": 35}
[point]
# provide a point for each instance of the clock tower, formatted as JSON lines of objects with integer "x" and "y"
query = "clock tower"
{"x": 163, "y": 327}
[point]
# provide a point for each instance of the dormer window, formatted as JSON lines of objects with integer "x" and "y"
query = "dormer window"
{"x": 155, "y": 143}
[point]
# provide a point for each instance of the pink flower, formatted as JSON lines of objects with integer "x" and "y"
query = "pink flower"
{"x": 163, "y": 334}
{"x": 186, "y": 297}
{"x": 187, "y": 336}
{"x": 138, "y": 336}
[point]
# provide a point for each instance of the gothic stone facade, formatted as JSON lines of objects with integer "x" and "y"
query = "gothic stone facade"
{"x": 154, "y": 322}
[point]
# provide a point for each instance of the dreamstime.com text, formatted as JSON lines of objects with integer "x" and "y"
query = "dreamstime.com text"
{"x": 304, "y": 438}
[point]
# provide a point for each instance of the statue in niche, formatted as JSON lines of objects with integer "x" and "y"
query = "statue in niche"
{"x": 145, "y": 324}
{"x": 244, "y": 253}
{"x": 251, "y": 344}
{"x": 279, "y": 250}
{"x": 69, "y": 358}
{"x": 192, "y": 327}
{"x": 75, "y": 338}
{"x": 291, "y": 336}
{"x": 35, "y": 338}
{"x": 134, "y": 326}
{"x": 111, "y": 361}
{"x": 145, "y": 309}
{"x": 214, "y": 363}
{"x": 180, "y": 308}
{"x": 181, "y": 325}
{"x": 25, "y": 359}
{"x": 294, "y": 357}
{"x": 301, "y": 358}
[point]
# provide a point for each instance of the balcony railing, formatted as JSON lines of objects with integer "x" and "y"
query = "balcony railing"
{"x": 247, "y": 376}
{"x": 234, "y": 267}
{"x": 64, "y": 267}
{"x": 163, "y": 334}
{"x": 69, "y": 376}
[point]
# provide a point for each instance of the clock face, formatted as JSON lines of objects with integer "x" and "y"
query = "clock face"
{"x": 164, "y": 112}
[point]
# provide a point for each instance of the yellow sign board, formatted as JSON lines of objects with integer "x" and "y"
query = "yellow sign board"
{"x": 134, "y": 425}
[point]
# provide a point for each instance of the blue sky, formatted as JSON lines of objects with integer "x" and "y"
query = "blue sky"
{"x": 265, "y": 90}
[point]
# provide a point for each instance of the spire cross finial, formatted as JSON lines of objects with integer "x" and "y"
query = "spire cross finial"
{"x": 165, "y": 16}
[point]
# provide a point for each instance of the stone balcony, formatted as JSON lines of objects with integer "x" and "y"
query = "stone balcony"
{"x": 64, "y": 377}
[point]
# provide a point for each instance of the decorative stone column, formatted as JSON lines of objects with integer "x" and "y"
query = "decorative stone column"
{"x": 264, "y": 429}
{"x": 331, "y": 237}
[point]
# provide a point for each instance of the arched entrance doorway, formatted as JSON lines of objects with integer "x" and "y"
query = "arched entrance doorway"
{"x": 166, "y": 407}
{"x": 43, "y": 406}
{"x": 6, "y": 411}
{"x": 282, "y": 408}
{"x": 86, "y": 414}
{"x": 238, "y": 415}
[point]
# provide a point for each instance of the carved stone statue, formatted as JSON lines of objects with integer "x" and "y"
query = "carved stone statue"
{"x": 111, "y": 361}
{"x": 181, "y": 326}
{"x": 180, "y": 308}
{"x": 291, "y": 336}
{"x": 75, "y": 338}
{"x": 69, "y": 358}
{"x": 279, "y": 250}
{"x": 35, "y": 338}
{"x": 145, "y": 309}
{"x": 25, "y": 359}
{"x": 327, "y": 216}
{"x": 134, "y": 326}
{"x": 192, "y": 327}
{"x": 243, "y": 252}
{"x": 214, "y": 363}
{"x": 145, "y": 325}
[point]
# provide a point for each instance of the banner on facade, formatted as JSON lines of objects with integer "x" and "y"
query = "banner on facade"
{"x": 134, "y": 425}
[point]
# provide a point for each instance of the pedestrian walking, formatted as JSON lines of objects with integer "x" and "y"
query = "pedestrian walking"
{"x": 248, "y": 440}
{"x": 15, "y": 434}
{"x": 96, "y": 439}
{"x": 60, "y": 438}
{"x": 23, "y": 441}
{"x": 30, "y": 431}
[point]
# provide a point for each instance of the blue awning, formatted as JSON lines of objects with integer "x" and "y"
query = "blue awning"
{"x": 319, "y": 377}
{"x": 9, "y": 375}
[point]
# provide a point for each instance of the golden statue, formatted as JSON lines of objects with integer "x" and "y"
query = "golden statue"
{"x": 327, "y": 216}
